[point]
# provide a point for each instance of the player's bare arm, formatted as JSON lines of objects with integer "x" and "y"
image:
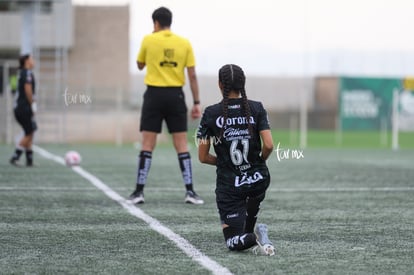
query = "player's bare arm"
{"x": 28, "y": 89}
{"x": 267, "y": 140}
{"x": 204, "y": 153}
{"x": 192, "y": 77}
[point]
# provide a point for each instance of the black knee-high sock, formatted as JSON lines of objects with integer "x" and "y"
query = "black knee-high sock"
{"x": 184, "y": 160}
{"x": 237, "y": 241}
{"x": 251, "y": 219}
{"x": 253, "y": 207}
{"x": 144, "y": 164}
{"x": 29, "y": 157}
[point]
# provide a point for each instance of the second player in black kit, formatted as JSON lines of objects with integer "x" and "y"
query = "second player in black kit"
{"x": 237, "y": 127}
{"x": 24, "y": 110}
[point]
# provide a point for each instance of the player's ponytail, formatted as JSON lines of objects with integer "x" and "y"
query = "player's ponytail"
{"x": 225, "y": 77}
{"x": 233, "y": 79}
{"x": 246, "y": 108}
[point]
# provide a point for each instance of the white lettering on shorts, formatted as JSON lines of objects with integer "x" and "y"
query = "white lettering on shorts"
{"x": 247, "y": 179}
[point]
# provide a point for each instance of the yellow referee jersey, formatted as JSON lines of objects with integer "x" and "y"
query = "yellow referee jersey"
{"x": 165, "y": 55}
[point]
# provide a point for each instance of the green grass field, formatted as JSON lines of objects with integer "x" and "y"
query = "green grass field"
{"x": 335, "y": 211}
{"x": 347, "y": 139}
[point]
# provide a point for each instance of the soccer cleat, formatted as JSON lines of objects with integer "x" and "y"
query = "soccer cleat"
{"x": 264, "y": 245}
{"x": 31, "y": 165}
{"x": 14, "y": 162}
{"x": 137, "y": 197}
{"x": 192, "y": 197}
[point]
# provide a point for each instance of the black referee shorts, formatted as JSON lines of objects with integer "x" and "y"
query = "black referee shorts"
{"x": 164, "y": 103}
{"x": 26, "y": 119}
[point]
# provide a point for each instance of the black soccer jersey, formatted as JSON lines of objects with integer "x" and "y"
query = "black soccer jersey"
{"x": 25, "y": 77}
{"x": 238, "y": 151}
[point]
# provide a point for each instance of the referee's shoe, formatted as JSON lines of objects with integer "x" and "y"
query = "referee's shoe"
{"x": 192, "y": 197}
{"x": 137, "y": 197}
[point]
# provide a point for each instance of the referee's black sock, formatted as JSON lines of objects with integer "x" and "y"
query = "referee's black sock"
{"x": 144, "y": 164}
{"x": 29, "y": 157}
{"x": 184, "y": 160}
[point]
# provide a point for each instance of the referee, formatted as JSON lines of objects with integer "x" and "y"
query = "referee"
{"x": 166, "y": 55}
{"x": 24, "y": 109}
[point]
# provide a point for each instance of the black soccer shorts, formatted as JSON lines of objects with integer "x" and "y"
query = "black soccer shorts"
{"x": 232, "y": 205}
{"x": 26, "y": 119}
{"x": 164, "y": 103}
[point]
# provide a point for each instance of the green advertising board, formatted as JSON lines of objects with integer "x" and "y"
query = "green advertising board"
{"x": 366, "y": 103}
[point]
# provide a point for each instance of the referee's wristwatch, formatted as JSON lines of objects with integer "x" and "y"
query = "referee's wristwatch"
{"x": 196, "y": 102}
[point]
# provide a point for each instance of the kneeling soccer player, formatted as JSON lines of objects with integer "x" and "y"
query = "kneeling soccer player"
{"x": 236, "y": 127}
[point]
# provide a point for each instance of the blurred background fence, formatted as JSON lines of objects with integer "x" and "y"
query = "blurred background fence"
{"x": 86, "y": 93}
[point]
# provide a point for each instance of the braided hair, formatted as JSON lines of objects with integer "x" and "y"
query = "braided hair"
{"x": 232, "y": 78}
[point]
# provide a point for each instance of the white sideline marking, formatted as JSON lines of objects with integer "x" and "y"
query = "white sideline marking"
{"x": 182, "y": 243}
